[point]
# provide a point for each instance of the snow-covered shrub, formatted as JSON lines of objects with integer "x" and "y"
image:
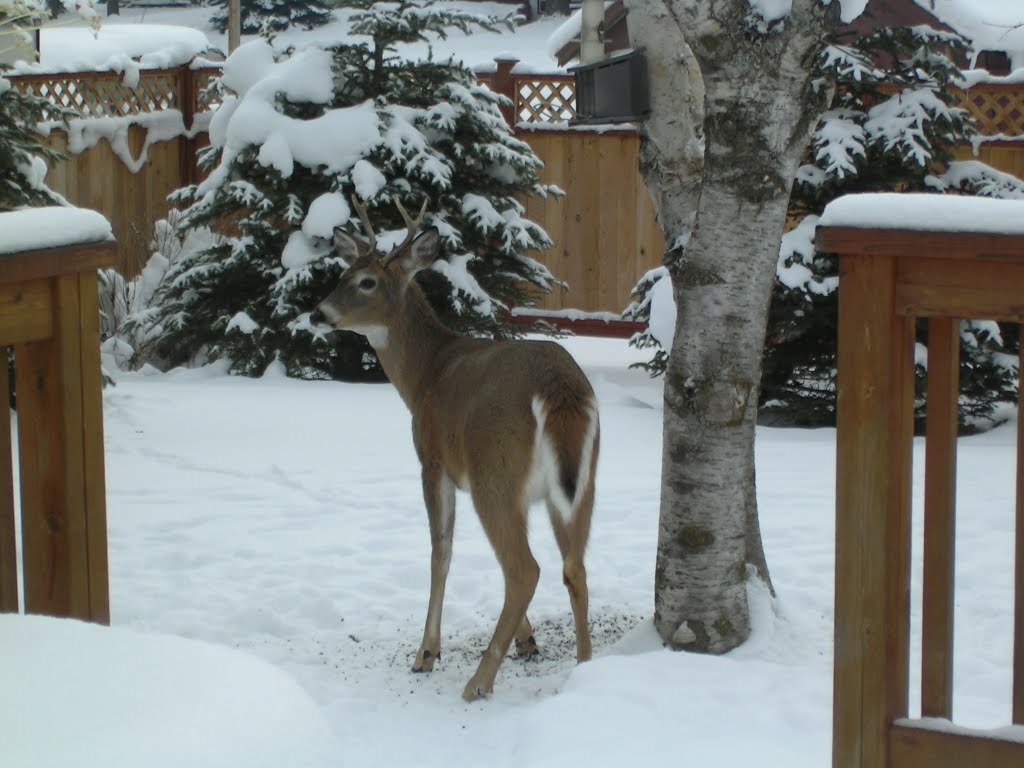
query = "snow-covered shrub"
{"x": 127, "y": 330}
{"x": 297, "y": 135}
{"x": 893, "y": 126}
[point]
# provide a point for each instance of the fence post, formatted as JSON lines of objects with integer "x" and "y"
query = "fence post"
{"x": 505, "y": 84}
{"x": 186, "y": 102}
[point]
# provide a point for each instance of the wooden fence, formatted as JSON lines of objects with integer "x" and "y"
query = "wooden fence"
{"x": 605, "y": 232}
{"x": 97, "y": 178}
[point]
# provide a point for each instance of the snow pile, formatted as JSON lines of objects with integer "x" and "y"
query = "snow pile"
{"x": 29, "y": 229}
{"x": 942, "y": 213}
{"x": 131, "y": 699}
{"x": 116, "y": 48}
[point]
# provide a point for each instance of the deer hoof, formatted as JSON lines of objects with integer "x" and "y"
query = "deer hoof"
{"x": 475, "y": 691}
{"x": 425, "y": 661}
{"x": 527, "y": 649}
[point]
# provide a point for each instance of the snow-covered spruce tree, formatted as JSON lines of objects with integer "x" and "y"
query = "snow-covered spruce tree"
{"x": 23, "y": 154}
{"x": 301, "y": 133}
{"x": 892, "y": 126}
{"x": 269, "y": 16}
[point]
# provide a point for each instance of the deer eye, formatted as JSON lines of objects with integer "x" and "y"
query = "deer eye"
{"x": 367, "y": 284}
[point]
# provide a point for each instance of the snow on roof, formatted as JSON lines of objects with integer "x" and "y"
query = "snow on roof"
{"x": 990, "y": 25}
{"x": 922, "y": 211}
{"x": 28, "y": 229}
{"x": 134, "y": 699}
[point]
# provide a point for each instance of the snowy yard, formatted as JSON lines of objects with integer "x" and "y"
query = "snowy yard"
{"x": 284, "y": 519}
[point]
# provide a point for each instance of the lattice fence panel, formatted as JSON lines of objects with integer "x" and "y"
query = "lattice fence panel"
{"x": 548, "y": 100}
{"x": 997, "y": 109}
{"x": 205, "y": 98}
{"x": 103, "y": 94}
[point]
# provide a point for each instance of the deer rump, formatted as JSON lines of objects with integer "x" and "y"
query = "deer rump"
{"x": 525, "y": 419}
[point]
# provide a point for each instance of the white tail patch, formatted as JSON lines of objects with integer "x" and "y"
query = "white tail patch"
{"x": 543, "y": 482}
{"x": 586, "y": 454}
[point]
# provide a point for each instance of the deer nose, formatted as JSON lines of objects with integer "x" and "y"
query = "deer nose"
{"x": 317, "y": 317}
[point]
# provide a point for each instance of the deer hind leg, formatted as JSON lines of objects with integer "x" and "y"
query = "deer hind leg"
{"x": 439, "y": 495}
{"x": 526, "y": 645}
{"x": 506, "y": 529}
{"x": 572, "y": 537}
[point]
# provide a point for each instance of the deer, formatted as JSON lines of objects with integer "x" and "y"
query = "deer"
{"x": 512, "y": 422}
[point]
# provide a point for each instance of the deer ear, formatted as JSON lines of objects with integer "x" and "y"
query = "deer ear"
{"x": 347, "y": 246}
{"x": 422, "y": 251}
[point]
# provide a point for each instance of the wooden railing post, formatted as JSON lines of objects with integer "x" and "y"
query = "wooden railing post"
{"x": 49, "y": 314}
{"x": 873, "y": 458}
{"x": 60, "y": 440}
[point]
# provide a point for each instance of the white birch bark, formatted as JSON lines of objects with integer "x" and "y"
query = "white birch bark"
{"x": 760, "y": 106}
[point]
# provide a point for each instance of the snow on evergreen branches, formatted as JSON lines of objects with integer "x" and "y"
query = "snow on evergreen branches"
{"x": 23, "y": 155}
{"x": 298, "y": 134}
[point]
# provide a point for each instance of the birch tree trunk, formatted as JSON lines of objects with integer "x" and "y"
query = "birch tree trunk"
{"x": 723, "y": 234}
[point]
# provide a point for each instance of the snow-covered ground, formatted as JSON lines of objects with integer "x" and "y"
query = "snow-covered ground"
{"x": 283, "y": 518}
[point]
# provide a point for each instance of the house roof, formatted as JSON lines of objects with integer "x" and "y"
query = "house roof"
{"x": 877, "y": 13}
{"x": 893, "y": 13}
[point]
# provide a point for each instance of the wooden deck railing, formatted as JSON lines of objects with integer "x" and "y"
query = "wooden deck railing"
{"x": 890, "y": 278}
{"x": 49, "y": 314}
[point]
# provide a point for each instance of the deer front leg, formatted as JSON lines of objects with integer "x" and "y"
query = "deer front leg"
{"x": 439, "y": 495}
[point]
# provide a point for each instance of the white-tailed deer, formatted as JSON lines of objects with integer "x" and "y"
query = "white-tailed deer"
{"x": 511, "y": 422}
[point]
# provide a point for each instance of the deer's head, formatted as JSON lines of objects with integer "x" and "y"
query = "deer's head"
{"x": 375, "y": 282}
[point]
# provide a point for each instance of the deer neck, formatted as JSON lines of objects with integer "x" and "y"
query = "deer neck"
{"x": 412, "y": 345}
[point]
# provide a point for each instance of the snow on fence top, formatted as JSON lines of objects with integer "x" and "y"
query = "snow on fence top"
{"x": 923, "y": 211}
{"x": 30, "y": 229}
{"x": 114, "y": 48}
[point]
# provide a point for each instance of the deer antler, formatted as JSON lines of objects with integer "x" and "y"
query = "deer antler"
{"x": 411, "y": 225}
{"x": 367, "y": 226}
